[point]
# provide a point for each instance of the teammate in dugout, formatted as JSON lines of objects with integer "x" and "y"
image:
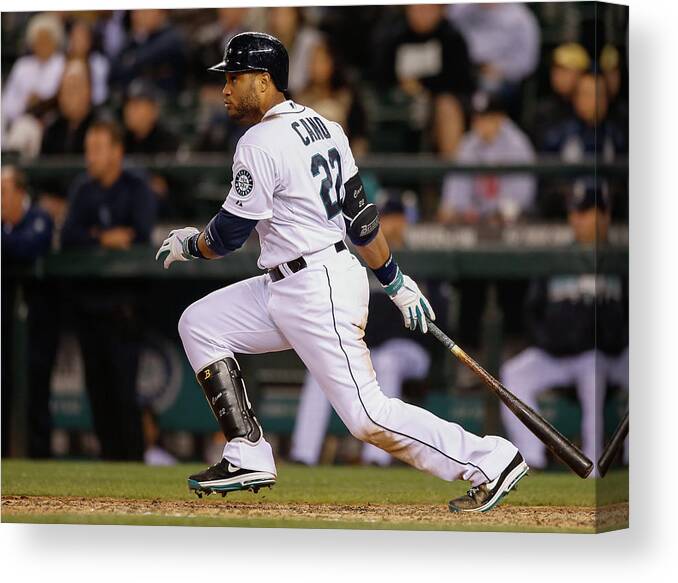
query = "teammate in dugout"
{"x": 578, "y": 327}
{"x": 296, "y": 182}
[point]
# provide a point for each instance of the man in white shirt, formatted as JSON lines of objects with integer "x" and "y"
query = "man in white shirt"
{"x": 296, "y": 182}
{"x": 489, "y": 198}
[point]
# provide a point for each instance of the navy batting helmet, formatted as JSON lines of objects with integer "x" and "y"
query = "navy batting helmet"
{"x": 256, "y": 51}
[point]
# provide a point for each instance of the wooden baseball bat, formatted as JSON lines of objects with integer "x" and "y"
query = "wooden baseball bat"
{"x": 562, "y": 447}
{"x": 612, "y": 448}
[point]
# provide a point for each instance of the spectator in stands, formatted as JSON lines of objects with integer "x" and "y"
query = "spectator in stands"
{"x": 154, "y": 52}
{"x": 26, "y": 236}
{"x": 353, "y": 29}
{"x": 569, "y": 62}
{"x": 80, "y": 48}
{"x": 587, "y": 135}
{"x": 589, "y": 131}
{"x": 575, "y": 324}
{"x": 32, "y": 85}
{"x": 490, "y": 198}
{"x": 503, "y": 42}
{"x": 144, "y": 133}
{"x": 398, "y": 356}
{"x": 110, "y": 29}
{"x": 288, "y": 24}
{"x": 66, "y": 133}
{"x": 329, "y": 93}
{"x": 34, "y": 79}
{"x": 427, "y": 58}
{"x": 110, "y": 208}
{"x": 128, "y": 209}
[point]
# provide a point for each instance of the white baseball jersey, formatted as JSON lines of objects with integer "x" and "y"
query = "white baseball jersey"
{"x": 289, "y": 172}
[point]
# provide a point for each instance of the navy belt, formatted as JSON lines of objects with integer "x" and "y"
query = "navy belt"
{"x": 299, "y": 263}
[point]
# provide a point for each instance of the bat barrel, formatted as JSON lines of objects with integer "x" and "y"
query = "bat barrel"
{"x": 562, "y": 447}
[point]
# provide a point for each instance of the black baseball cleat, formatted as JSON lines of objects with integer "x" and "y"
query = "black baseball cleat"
{"x": 486, "y": 496}
{"x": 224, "y": 477}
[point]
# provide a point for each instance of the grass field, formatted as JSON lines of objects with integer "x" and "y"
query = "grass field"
{"x": 323, "y": 497}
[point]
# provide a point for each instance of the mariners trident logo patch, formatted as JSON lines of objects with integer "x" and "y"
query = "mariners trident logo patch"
{"x": 243, "y": 183}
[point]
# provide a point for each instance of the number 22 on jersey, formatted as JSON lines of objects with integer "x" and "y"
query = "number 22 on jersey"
{"x": 328, "y": 165}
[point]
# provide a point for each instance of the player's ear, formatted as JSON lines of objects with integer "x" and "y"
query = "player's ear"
{"x": 264, "y": 81}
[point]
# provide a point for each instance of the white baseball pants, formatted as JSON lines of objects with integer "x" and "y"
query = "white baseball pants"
{"x": 321, "y": 312}
{"x": 395, "y": 362}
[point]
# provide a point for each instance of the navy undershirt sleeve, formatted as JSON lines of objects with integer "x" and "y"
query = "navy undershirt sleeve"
{"x": 227, "y": 232}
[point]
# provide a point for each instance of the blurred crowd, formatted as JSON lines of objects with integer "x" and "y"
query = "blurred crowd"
{"x": 477, "y": 84}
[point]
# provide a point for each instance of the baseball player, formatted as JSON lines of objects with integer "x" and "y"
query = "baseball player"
{"x": 295, "y": 181}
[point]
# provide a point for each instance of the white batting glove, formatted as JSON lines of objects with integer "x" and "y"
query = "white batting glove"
{"x": 174, "y": 246}
{"x": 412, "y": 303}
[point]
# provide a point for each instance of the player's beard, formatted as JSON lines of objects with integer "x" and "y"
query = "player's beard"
{"x": 248, "y": 110}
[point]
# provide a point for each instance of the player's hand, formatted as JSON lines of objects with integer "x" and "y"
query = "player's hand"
{"x": 413, "y": 305}
{"x": 174, "y": 246}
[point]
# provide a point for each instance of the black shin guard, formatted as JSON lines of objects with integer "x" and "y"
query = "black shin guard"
{"x": 225, "y": 391}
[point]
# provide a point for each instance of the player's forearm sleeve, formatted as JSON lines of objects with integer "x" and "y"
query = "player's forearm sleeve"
{"x": 227, "y": 232}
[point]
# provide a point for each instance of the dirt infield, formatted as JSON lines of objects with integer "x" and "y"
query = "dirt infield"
{"x": 512, "y": 517}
